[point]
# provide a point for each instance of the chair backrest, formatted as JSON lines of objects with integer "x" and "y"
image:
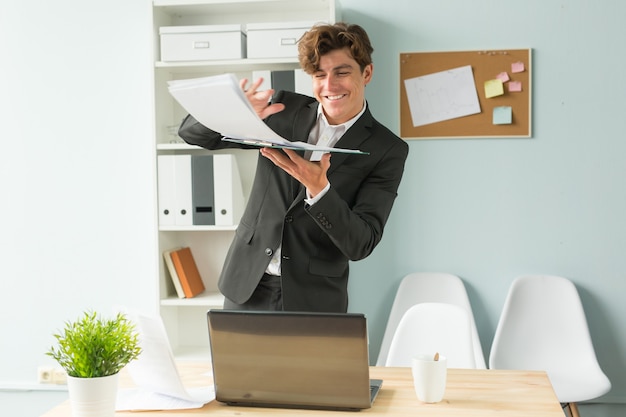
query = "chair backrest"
{"x": 430, "y": 328}
{"x": 543, "y": 327}
{"x": 423, "y": 287}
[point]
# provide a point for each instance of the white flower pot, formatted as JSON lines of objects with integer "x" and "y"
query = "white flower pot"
{"x": 93, "y": 397}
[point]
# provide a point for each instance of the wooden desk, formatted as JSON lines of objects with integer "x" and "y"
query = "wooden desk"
{"x": 469, "y": 393}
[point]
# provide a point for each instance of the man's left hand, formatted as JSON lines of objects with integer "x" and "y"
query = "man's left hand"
{"x": 311, "y": 174}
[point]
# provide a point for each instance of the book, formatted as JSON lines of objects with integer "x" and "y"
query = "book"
{"x": 187, "y": 271}
{"x": 219, "y": 103}
{"x": 173, "y": 274}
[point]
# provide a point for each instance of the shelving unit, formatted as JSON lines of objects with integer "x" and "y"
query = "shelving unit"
{"x": 185, "y": 319}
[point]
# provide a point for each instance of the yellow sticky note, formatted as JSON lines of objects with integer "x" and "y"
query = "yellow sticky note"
{"x": 494, "y": 88}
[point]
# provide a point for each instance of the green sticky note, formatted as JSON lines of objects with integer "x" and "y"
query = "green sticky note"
{"x": 502, "y": 115}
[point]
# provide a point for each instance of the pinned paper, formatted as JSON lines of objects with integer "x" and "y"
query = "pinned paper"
{"x": 503, "y": 76}
{"x": 517, "y": 67}
{"x": 442, "y": 96}
{"x": 502, "y": 115}
{"x": 515, "y": 86}
{"x": 494, "y": 88}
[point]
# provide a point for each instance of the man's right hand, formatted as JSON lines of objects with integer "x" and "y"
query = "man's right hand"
{"x": 260, "y": 99}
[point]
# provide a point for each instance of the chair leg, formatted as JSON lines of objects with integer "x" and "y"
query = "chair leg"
{"x": 572, "y": 409}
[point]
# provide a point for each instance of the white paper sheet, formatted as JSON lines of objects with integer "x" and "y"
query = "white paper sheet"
{"x": 159, "y": 386}
{"x": 442, "y": 96}
{"x": 137, "y": 399}
{"x": 219, "y": 103}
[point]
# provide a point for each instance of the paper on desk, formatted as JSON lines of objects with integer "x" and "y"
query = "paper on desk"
{"x": 219, "y": 104}
{"x": 159, "y": 386}
{"x": 137, "y": 399}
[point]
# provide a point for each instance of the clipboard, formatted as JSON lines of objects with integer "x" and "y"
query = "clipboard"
{"x": 219, "y": 104}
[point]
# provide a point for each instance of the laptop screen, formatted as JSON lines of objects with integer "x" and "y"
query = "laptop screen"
{"x": 290, "y": 359}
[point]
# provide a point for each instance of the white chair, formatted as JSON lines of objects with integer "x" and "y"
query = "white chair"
{"x": 430, "y": 328}
{"x": 422, "y": 287}
{"x": 543, "y": 327}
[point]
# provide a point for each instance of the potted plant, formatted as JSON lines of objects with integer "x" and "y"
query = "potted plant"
{"x": 92, "y": 351}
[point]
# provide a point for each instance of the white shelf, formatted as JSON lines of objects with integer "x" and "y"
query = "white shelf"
{"x": 207, "y": 228}
{"x": 229, "y": 64}
{"x": 200, "y": 68}
{"x": 177, "y": 147}
{"x": 214, "y": 300}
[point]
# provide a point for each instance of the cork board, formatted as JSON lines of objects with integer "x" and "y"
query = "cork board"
{"x": 502, "y": 108}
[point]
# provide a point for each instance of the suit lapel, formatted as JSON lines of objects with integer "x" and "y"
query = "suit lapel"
{"x": 302, "y": 126}
{"x": 304, "y": 122}
{"x": 352, "y": 139}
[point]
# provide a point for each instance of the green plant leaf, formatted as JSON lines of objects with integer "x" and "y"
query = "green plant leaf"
{"x": 92, "y": 347}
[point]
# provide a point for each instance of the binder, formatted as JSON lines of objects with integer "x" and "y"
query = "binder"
{"x": 182, "y": 190}
{"x": 166, "y": 190}
{"x": 174, "y": 190}
{"x": 229, "y": 199}
{"x": 303, "y": 82}
{"x": 283, "y": 80}
{"x": 292, "y": 80}
{"x": 202, "y": 190}
{"x": 199, "y": 190}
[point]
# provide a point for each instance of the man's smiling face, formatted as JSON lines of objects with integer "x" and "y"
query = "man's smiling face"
{"x": 339, "y": 85}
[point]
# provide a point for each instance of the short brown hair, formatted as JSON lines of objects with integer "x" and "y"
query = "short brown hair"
{"x": 324, "y": 38}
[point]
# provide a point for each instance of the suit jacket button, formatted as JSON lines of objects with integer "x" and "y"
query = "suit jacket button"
{"x": 288, "y": 219}
{"x": 269, "y": 251}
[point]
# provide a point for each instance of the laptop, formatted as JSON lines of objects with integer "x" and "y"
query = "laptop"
{"x": 291, "y": 359}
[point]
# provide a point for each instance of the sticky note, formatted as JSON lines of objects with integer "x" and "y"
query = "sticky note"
{"x": 503, "y": 76}
{"x": 514, "y": 86}
{"x": 517, "y": 67}
{"x": 502, "y": 115}
{"x": 493, "y": 88}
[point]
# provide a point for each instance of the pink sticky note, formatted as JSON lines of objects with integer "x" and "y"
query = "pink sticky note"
{"x": 517, "y": 67}
{"x": 514, "y": 86}
{"x": 503, "y": 76}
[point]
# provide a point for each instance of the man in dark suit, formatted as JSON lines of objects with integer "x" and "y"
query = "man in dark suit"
{"x": 306, "y": 217}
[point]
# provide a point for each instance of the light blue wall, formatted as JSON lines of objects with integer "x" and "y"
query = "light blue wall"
{"x": 77, "y": 207}
{"x": 490, "y": 210}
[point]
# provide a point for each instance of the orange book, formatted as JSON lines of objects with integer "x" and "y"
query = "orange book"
{"x": 187, "y": 271}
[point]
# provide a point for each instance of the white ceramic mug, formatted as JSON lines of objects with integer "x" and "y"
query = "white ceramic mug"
{"x": 429, "y": 376}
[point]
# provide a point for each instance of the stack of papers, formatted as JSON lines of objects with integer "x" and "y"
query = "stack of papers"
{"x": 219, "y": 104}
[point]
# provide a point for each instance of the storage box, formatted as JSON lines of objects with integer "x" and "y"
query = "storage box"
{"x": 201, "y": 43}
{"x": 275, "y": 40}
